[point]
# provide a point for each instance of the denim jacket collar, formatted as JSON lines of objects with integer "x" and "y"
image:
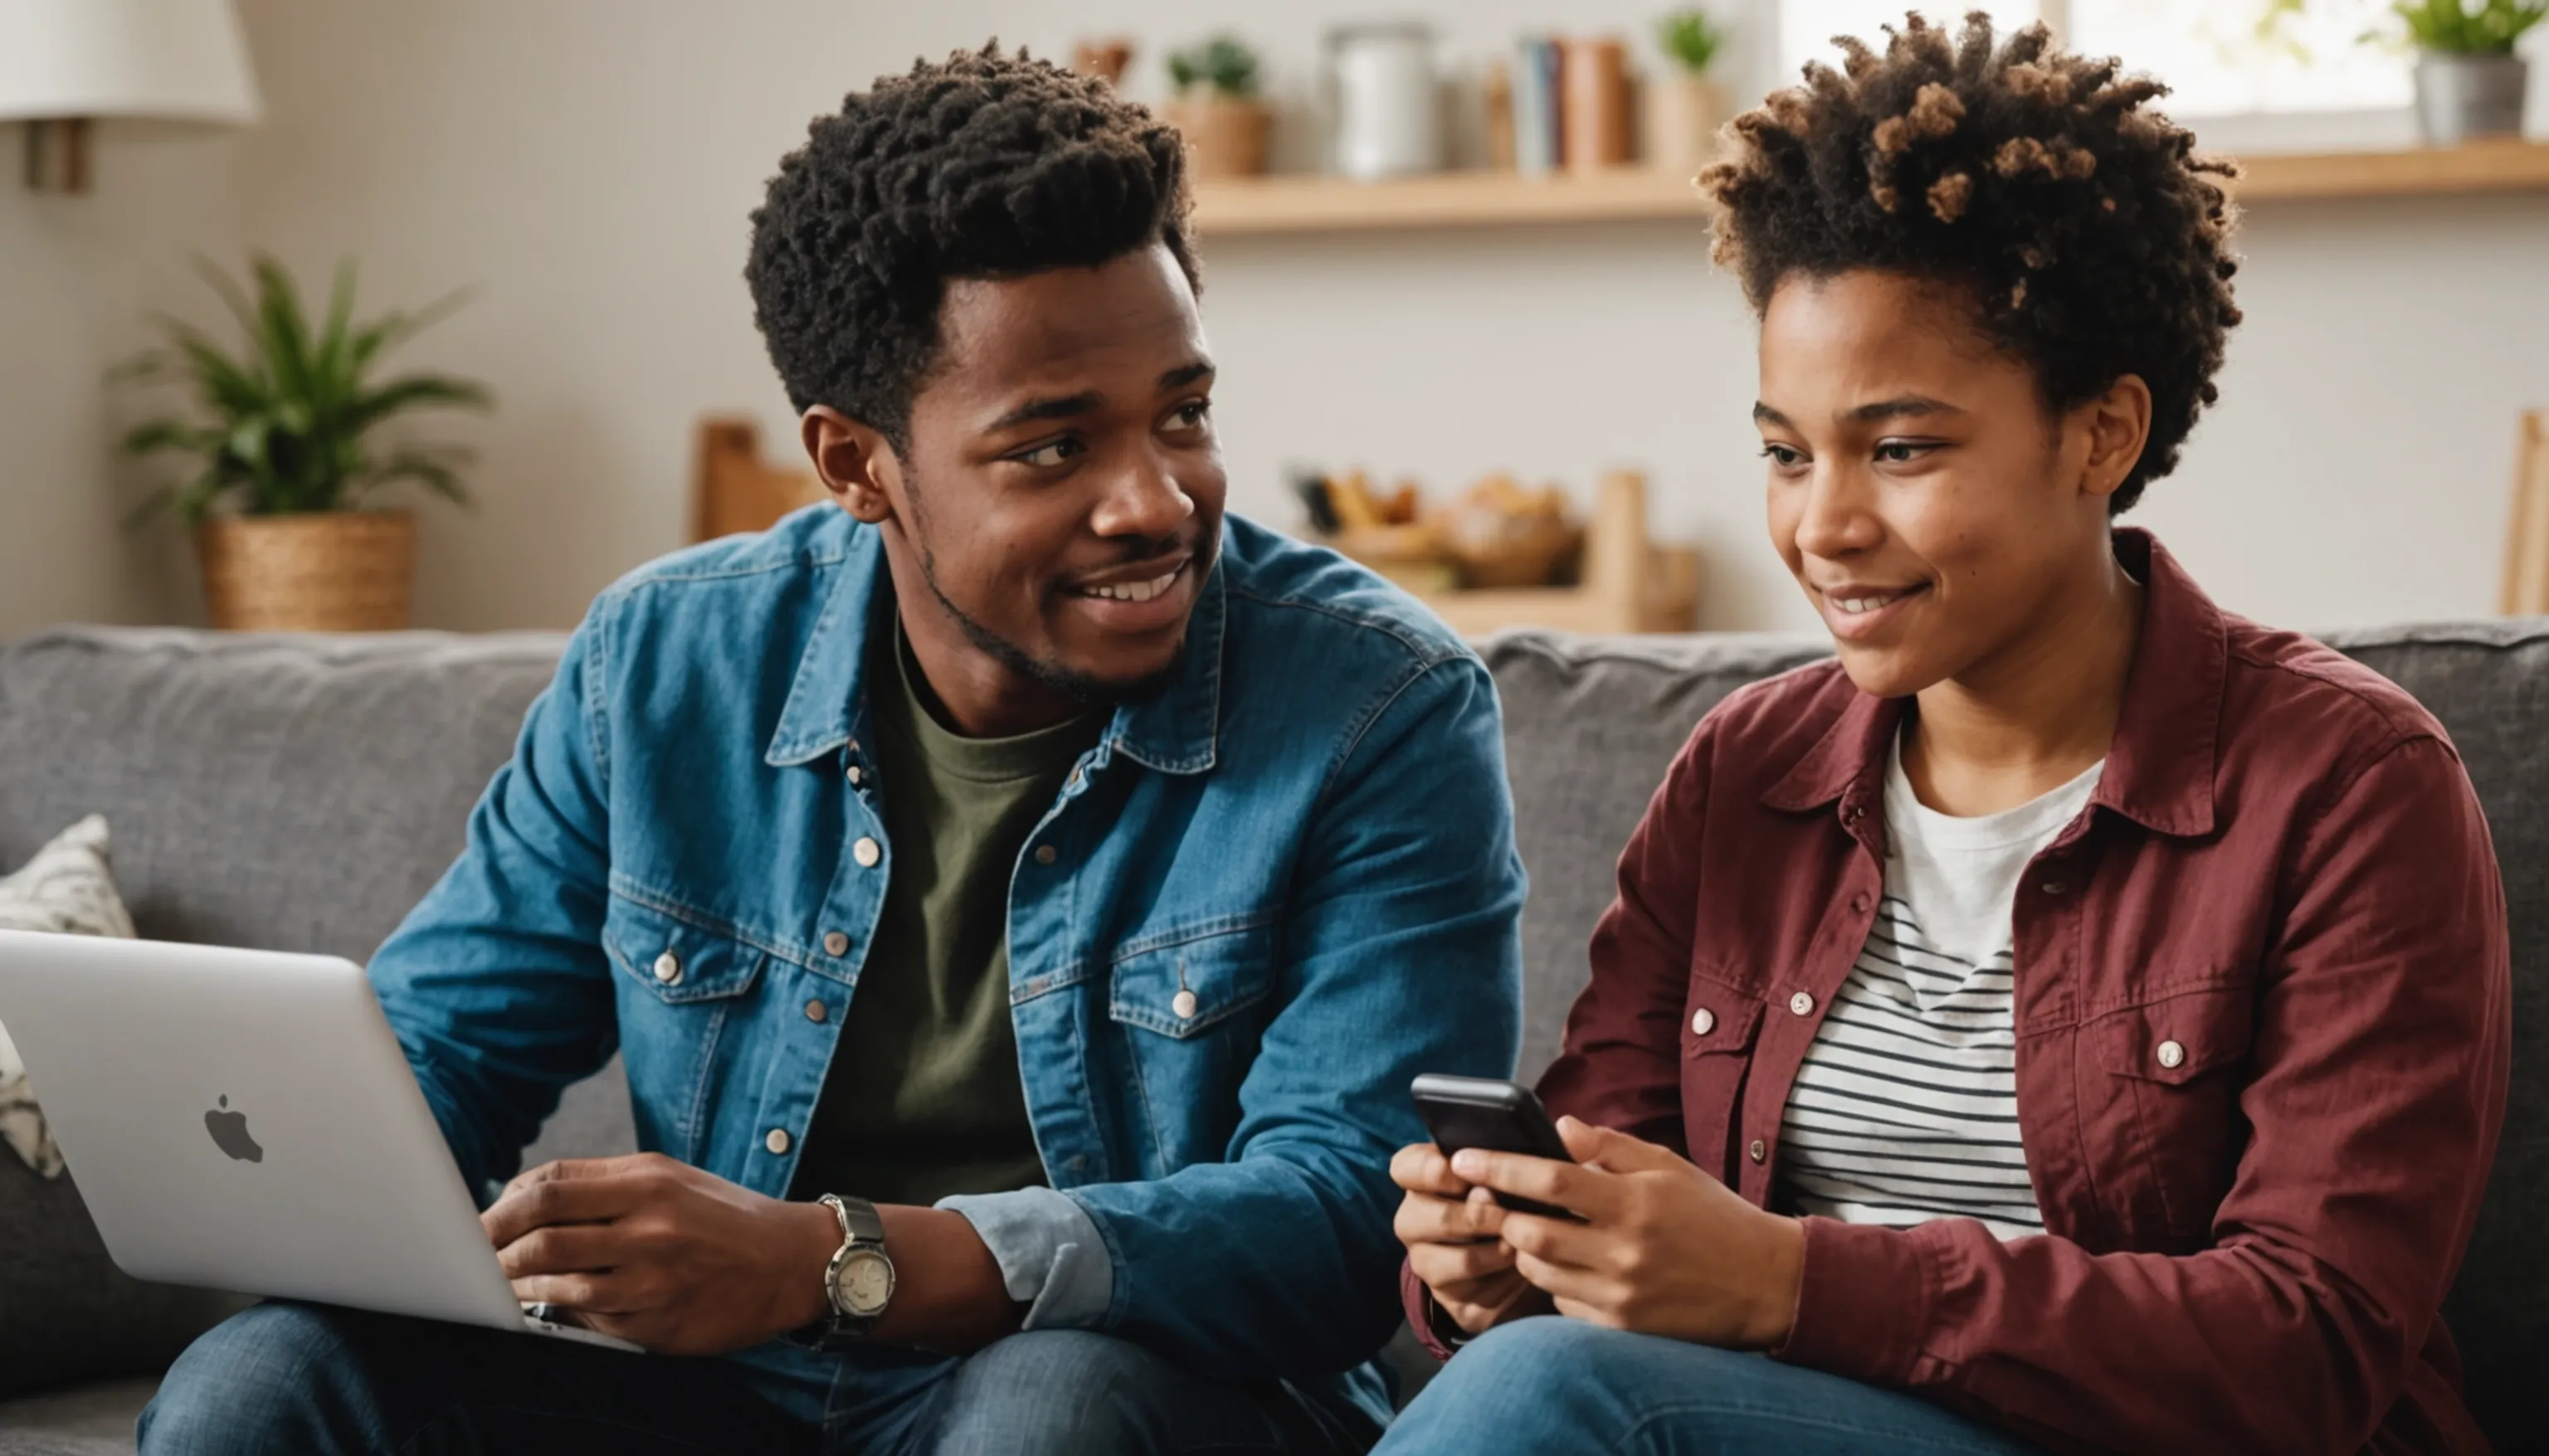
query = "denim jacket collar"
{"x": 1178, "y": 731}
{"x": 2160, "y": 765}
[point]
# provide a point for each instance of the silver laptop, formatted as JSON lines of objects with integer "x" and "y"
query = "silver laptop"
{"x": 244, "y": 1120}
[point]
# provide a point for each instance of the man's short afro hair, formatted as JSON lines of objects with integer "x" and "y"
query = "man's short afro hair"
{"x": 2094, "y": 239}
{"x": 983, "y": 165}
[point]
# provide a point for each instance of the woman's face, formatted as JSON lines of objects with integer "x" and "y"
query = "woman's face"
{"x": 1934, "y": 511}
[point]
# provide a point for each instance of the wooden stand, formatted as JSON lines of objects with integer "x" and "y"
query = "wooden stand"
{"x": 734, "y": 490}
{"x": 2526, "y": 539}
{"x": 1630, "y": 585}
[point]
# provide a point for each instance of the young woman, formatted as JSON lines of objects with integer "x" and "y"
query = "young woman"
{"x": 2076, "y": 1018}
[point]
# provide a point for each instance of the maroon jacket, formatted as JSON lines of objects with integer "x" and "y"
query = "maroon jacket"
{"x": 2262, "y": 1040}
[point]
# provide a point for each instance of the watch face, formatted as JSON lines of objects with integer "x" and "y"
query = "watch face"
{"x": 867, "y": 1282}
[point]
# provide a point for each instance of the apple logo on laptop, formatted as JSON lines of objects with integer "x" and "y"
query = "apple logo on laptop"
{"x": 229, "y": 1134}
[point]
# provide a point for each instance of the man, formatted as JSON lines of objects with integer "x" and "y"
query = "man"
{"x": 1066, "y": 880}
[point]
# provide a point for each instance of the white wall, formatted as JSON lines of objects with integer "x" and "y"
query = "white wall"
{"x": 590, "y": 164}
{"x": 76, "y": 275}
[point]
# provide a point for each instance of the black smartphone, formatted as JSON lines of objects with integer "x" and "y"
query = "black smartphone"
{"x": 1496, "y": 1115}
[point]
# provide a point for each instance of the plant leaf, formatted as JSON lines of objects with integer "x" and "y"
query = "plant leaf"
{"x": 392, "y": 329}
{"x": 412, "y": 391}
{"x": 432, "y": 472}
{"x": 284, "y": 334}
{"x": 141, "y": 368}
{"x": 153, "y": 436}
{"x": 232, "y": 296}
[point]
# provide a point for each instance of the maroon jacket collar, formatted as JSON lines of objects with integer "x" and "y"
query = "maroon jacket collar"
{"x": 2161, "y": 766}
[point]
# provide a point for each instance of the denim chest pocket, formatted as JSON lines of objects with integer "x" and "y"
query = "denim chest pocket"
{"x": 1186, "y": 987}
{"x": 674, "y": 961}
{"x": 1189, "y": 1010}
{"x": 681, "y": 992}
{"x": 2176, "y": 1066}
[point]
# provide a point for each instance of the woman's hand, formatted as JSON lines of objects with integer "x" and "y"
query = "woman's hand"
{"x": 1664, "y": 1249}
{"x": 1451, "y": 1232}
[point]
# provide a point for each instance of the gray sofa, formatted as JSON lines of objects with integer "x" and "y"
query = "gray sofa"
{"x": 301, "y": 793}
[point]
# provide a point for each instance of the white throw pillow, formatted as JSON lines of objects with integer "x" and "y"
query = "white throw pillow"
{"x": 68, "y": 888}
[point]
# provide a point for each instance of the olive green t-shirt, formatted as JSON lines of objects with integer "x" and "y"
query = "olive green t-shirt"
{"x": 923, "y": 1098}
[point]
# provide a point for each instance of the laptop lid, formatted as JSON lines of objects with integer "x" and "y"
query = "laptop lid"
{"x": 244, "y": 1120}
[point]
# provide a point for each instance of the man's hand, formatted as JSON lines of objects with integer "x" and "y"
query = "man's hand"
{"x": 1664, "y": 1249}
{"x": 1451, "y": 1232}
{"x": 656, "y": 1251}
{"x": 684, "y": 1262}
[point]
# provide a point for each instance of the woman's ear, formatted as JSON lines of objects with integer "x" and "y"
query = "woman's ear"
{"x": 854, "y": 462}
{"x": 2118, "y": 423}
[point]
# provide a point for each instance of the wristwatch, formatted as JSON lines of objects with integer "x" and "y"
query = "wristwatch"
{"x": 858, "y": 1282}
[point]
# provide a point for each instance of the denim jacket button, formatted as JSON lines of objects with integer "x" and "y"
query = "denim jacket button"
{"x": 777, "y": 1142}
{"x": 836, "y": 943}
{"x": 867, "y": 852}
{"x": 816, "y": 1011}
{"x": 857, "y": 775}
{"x": 1047, "y": 854}
{"x": 1702, "y": 1022}
{"x": 668, "y": 968}
{"x": 1183, "y": 1004}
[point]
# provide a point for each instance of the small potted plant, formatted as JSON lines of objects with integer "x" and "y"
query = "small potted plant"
{"x": 1216, "y": 108}
{"x": 2469, "y": 81}
{"x": 1684, "y": 108}
{"x": 282, "y": 460}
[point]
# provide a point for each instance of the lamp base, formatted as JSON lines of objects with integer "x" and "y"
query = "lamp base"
{"x": 57, "y": 155}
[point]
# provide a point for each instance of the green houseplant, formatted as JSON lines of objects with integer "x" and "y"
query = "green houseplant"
{"x": 2469, "y": 81}
{"x": 1684, "y": 108}
{"x": 1217, "y": 110}
{"x": 282, "y": 457}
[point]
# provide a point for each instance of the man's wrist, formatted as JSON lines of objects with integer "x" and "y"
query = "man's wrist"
{"x": 810, "y": 1237}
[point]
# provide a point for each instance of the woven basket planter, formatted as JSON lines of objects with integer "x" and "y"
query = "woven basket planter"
{"x": 324, "y": 572}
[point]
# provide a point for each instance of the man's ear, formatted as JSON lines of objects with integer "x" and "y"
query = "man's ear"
{"x": 854, "y": 462}
{"x": 2118, "y": 426}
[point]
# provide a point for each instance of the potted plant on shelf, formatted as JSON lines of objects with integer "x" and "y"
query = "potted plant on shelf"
{"x": 2469, "y": 81}
{"x": 284, "y": 461}
{"x": 1684, "y": 108}
{"x": 1216, "y": 108}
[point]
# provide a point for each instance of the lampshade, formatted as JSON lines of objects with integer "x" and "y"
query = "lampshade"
{"x": 163, "y": 59}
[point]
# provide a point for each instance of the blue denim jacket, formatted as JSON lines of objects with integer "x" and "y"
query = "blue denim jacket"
{"x": 1268, "y": 897}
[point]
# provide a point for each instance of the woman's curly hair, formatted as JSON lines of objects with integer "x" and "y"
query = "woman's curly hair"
{"x": 979, "y": 166}
{"x": 2094, "y": 240}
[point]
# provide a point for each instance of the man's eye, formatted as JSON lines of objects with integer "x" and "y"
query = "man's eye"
{"x": 1050, "y": 455}
{"x": 1783, "y": 456}
{"x": 1194, "y": 414}
{"x": 1902, "y": 452}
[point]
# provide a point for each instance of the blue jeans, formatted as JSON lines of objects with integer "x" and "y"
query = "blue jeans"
{"x": 1554, "y": 1387}
{"x": 326, "y": 1382}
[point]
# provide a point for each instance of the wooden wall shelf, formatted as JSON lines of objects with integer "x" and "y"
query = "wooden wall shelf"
{"x": 1273, "y": 206}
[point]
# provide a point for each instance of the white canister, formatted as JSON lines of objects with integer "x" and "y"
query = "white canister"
{"x": 1389, "y": 106}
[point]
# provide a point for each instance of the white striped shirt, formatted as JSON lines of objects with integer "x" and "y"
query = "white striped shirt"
{"x": 1905, "y": 1106}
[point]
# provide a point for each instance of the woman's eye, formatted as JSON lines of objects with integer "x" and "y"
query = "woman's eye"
{"x": 1901, "y": 452}
{"x": 1047, "y": 456}
{"x": 1194, "y": 414}
{"x": 1783, "y": 456}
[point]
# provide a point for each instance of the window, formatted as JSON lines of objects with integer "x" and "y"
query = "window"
{"x": 2214, "y": 55}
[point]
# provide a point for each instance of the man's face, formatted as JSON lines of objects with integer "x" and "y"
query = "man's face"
{"x": 1059, "y": 504}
